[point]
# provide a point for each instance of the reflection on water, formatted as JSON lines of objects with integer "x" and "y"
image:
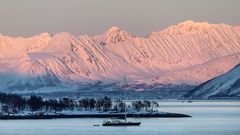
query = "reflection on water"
{"x": 209, "y": 118}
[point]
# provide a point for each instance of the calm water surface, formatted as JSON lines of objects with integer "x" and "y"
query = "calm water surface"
{"x": 209, "y": 118}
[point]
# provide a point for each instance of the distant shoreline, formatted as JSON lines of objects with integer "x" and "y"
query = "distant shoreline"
{"x": 149, "y": 115}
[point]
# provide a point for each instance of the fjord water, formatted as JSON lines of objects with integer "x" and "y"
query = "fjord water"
{"x": 208, "y": 118}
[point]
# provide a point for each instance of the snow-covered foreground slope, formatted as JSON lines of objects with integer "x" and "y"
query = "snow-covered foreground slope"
{"x": 224, "y": 86}
{"x": 189, "y": 53}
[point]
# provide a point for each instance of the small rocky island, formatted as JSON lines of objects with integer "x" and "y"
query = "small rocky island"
{"x": 35, "y": 107}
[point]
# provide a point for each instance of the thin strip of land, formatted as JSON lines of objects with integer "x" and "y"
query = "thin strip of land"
{"x": 146, "y": 115}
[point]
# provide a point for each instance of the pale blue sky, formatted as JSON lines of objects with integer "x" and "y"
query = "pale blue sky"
{"x": 139, "y": 17}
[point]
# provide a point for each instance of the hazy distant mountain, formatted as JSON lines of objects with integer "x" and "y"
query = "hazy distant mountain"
{"x": 187, "y": 53}
{"x": 224, "y": 86}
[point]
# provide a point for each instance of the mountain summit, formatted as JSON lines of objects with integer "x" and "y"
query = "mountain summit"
{"x": 186, "y": 53}
{"x": 191, "y": 27}
{"x": 115, "y": 35}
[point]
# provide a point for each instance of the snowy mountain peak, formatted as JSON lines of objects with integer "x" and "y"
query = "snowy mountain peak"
{"x": 113, "y": 29}
{"x": 45, "y": 34}
{"x": 115, "y": 35}
{"x": 189, "y": 27}
{"x": 182, "y": 54}
{"x": 196, "y": 24}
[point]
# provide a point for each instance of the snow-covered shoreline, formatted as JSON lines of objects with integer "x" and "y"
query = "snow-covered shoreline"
{"x": 93, "y": 114}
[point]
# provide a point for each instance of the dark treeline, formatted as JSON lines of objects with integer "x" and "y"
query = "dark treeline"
{"x": 13, "y": 104}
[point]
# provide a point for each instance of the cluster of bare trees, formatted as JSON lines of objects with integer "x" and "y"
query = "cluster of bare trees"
{"x": 12, "y": 103}
{"x": 145, "y": 105}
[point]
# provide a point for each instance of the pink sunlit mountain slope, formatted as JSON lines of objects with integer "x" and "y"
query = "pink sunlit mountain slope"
{"x": 186, "y": 53}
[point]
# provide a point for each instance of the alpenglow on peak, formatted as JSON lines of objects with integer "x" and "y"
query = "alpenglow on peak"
{"x": 115, "y": 35}
{"x": 113, "y": 28}
{"x": 175, "y": 55}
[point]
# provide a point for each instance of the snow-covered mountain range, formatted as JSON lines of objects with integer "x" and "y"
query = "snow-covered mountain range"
{"x": 186, "y": 53}
{"x": 224, "y": 86}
